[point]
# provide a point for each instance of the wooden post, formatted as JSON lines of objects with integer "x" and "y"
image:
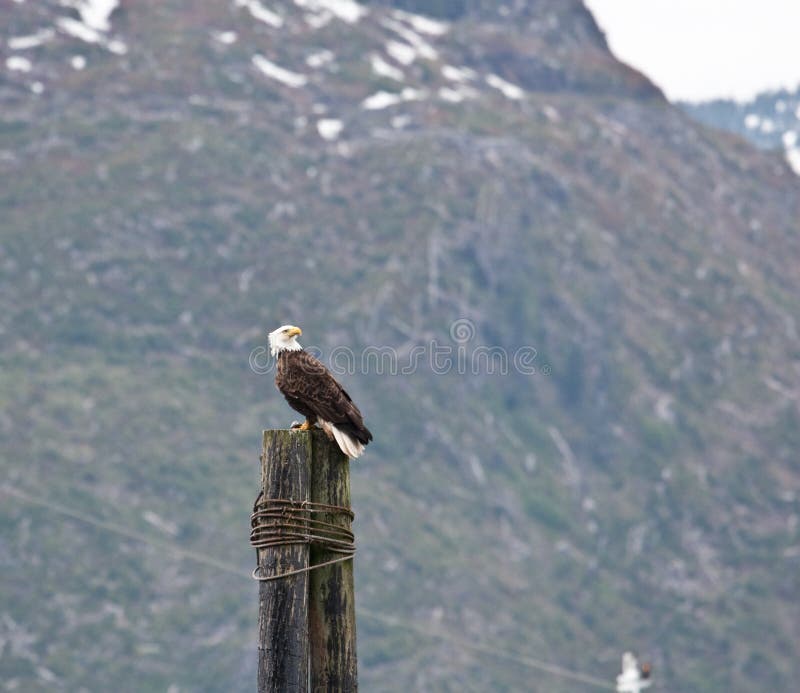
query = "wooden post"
{"x": 283, "y": 603}
{"x": 332, "y": 614}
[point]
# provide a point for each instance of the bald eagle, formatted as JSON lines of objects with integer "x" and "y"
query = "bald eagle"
{"x": 310, "y": 389}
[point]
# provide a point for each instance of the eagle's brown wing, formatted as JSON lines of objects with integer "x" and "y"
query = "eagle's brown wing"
{"x": 306, "y": 380}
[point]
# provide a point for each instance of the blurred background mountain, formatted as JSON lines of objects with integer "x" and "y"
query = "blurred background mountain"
{"x": 179, "y": 178}
{"x": 771, "y": 120}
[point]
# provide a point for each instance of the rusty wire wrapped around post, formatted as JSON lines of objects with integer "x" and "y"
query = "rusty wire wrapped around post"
{"x": 280, "y": 522}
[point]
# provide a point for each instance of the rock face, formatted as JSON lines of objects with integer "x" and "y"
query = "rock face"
{"x": 179, "y": 177}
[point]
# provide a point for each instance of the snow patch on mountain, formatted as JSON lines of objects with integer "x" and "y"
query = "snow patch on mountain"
{"x": 16, "y": 63}
{"x": 329, "y": 128}
{"x": 261, "y": 13}
{"x": 402, "y": 53}
{"x": 320, "y": 59}
{"x": 423, "y": 24}
{"x": 380, "y": 100}
{"x": 346, "y": 10}
{"x": 317, "y": 21}
{"x": 88, "y": 34}
{"x": 459, "y": 93}
{"x": 226, "y": 38}
{"x": 451, "y": 95}
{"x": 401, "y": 121}
{"x": 509, "y": 90}
{"x": 458, "y": 74}
{"x": 793, "y": 159}
{"x": 79, "y": 30}
{"x": 421, "y": 47}
{"x": 278, "y": 73}
{"x": 96, "y": 14}
{"x": 384, "y": 99}
{"x": 21, "y": 43}
{"x": 383, "y": 69}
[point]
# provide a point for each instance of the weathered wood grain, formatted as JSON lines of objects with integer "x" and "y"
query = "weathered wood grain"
{"x": 283, "y": 649}
{"x": 332, "y": 617}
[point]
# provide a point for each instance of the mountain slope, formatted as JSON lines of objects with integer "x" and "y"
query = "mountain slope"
{"x": 238, "y": 166}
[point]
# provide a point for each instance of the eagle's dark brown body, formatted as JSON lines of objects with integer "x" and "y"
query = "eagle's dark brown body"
{"x": 311, "y": 390}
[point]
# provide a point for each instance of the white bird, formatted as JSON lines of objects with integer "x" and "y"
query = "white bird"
{"x": 633, "y": 678}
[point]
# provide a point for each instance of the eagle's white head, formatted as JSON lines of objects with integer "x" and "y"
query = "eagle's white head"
{"x": 284, "y": 339}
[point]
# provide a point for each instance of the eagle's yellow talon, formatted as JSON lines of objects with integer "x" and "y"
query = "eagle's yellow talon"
{"x": 305, "y": 426}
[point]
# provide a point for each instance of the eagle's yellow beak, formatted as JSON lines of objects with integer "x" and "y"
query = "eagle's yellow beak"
{"x": 294, "y": 332}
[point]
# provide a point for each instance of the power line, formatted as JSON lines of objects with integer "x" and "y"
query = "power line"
{"x": 525, "y": 660}
{"x": 119, "y": 529}
{"x": 392, "y": 621}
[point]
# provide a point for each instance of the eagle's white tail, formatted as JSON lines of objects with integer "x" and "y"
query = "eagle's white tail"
{"x": 347, "y": 444}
